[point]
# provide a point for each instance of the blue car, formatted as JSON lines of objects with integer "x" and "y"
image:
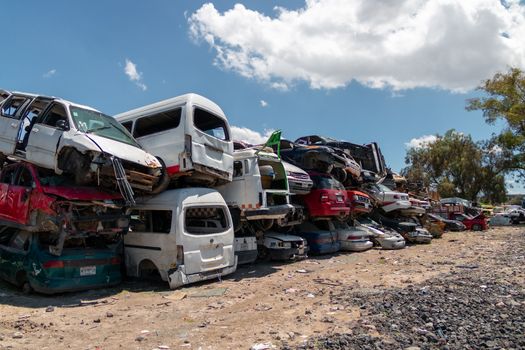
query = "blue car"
{"x": 319, "y": 241}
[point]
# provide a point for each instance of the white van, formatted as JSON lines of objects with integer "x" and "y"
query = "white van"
{"x": 183, "y": 235}
{"x": 189, "y": 133}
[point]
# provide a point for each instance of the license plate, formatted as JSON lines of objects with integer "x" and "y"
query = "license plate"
{"x": 88, "y": 270}
{"x": 244, "y": 246}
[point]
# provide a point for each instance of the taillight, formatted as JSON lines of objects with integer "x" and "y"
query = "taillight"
{"x": 180, "y": 255}
{"x": 396, "y": 196}
{"x": 324, "y": 198}
{"x": 187, "y": 144}
{"x": 53, "y": 264}
{"x": 354, "y": 237}
{"x": 115, "y": 260}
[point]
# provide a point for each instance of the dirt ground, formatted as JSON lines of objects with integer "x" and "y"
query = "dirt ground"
{"x": 262, "y": 303}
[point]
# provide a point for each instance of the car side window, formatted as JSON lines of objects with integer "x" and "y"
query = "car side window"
{"x": 11, "y": 107}
{"x": 24, "y": 178}
{"x": 237, "y": 169}
{"x": 128, "y": 125}
{"x": 153, "y": 221}
{"x": 7, "y": 176}
{"x": 157, "y": 123}
{"x": 54, "y": 115}
{"x": 20, "y": 241}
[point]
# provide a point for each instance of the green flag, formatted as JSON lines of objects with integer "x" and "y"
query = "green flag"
{"x": 274, "y": 139}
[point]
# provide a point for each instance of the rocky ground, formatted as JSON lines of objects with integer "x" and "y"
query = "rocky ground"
{"x": 464, "y": 291}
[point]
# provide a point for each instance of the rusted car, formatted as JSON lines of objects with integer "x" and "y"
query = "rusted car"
{"x": 37, "y": 200}
{"x": 77, "y": 140}
{"x": 359, "y": 202}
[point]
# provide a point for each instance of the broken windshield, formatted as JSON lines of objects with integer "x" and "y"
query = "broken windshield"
{"x": 94, "y": 122}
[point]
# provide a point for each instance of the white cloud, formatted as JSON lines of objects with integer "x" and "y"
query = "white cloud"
{"x": 134, "y": 75}
{"x": 399, "y": 44}
{"x": 421, "y": 142}
{"x": 249, "y": 135}
{"x": 263, "y": 103}
{"x": 49, "y": 73}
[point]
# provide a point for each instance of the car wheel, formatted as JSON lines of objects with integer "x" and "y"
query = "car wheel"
{"x": 263, "y": 253}
{"x": 26, "y": 288}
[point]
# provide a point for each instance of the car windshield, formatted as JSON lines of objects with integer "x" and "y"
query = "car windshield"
{"x": 383, "y": 188}
{"x": 94, "y": 122}
{"x": 326, "y": 183}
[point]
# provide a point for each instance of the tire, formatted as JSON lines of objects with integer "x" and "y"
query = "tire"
{"x": 26, "y": 288}
{"x": 164, "y": 180}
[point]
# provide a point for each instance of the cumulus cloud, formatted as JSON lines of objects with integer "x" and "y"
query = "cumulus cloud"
{"x": 134, "y": 75}
{"x": 249, "y": 135}
{"x": 397, "y": 44}
{"x": 421, "y": 142}
{"x": 263, "y": 103}
{"x": 49, "y": 73}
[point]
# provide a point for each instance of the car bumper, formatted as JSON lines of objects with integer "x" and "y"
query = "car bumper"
{"x": 325, "y": 248}
{"x": 62, "y": 285}
{"x": 287, "y": 254}
{"x": 392, "y": 244}
{"x": 329, "y": 211}
{"x": 356, "y": 246}
{"x": 246, "y": 256}
{"x": 178, "y": 278}
{"x": 299, "y": 187}
{"x": 273, "y": 212}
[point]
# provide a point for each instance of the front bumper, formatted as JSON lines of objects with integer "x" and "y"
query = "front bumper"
{"x": 246, "y": 256}
{"x": 288, "y": 253}
{"x": 356, "y": 246}
{"x": 179, "y": 278}
{"x": 273, "y": 212}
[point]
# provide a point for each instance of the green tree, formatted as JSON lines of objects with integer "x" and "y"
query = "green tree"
{"x": 458, "y": 167}
{"x": 505, "y": 101}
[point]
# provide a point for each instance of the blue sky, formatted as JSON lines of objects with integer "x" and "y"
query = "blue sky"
{"x": 337, "y": 68}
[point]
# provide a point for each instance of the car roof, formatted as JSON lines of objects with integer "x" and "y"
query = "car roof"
{"x": 54, "y": 98}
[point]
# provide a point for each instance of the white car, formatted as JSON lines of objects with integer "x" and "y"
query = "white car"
{"x": 386, "y": 238}
{"x": 281, "y": 246}
{"x": 78, "y": 140}
{"x": 387, "y": 199}
{"x": 299, "y": 181}
{"x": 352, "y": 238}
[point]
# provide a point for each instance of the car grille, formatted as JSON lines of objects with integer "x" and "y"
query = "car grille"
{"x": 300, "y": 176}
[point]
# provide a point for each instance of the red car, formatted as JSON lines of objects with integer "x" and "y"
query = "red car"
{"x": 359, "y": 202}
{"x": 475, "y": 223}
{"x": 327, "y": 198}
{"x": 38, "y": 200}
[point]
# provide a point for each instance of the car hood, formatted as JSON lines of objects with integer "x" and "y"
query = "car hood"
{"x": 125, "y": 152}
{"x": 80, "y": 193}
{"x": 283, "y": 237}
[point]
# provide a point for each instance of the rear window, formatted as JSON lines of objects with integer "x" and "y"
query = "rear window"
{"x": 326, "y": 183}
{"x": 157, "y": 123}
{"x": 152, "y": 221}
{"x": 205, "y": 220}
{"x": 210, "y": 124}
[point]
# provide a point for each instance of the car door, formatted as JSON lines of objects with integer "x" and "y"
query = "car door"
{"x": 10, "y": 122}
{"x": 206, "y": 236}
{"x": 14, "y": 254}
{"x": 19, "y": 195}
{"x": 45, "y": 135}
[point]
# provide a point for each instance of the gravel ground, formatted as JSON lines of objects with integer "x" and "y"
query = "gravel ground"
{"x": 475, "y": 306}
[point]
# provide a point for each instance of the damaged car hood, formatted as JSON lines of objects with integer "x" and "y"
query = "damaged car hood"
{"x": 125, "y": 152}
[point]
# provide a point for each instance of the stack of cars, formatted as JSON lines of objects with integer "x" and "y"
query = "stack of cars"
{"x": 163, "y": 191}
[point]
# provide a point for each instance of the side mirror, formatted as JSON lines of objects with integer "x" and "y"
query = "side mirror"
{"x": 62, "y": 124}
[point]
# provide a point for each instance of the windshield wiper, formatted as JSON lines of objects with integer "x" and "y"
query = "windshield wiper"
{"x": 98, "y": 129}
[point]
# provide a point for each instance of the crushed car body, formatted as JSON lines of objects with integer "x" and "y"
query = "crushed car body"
{"x": 37, "y": 200}
{"x": 78, "y": 140}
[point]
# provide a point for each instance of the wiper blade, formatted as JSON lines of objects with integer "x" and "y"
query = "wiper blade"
{"x": 98, "y": 129}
